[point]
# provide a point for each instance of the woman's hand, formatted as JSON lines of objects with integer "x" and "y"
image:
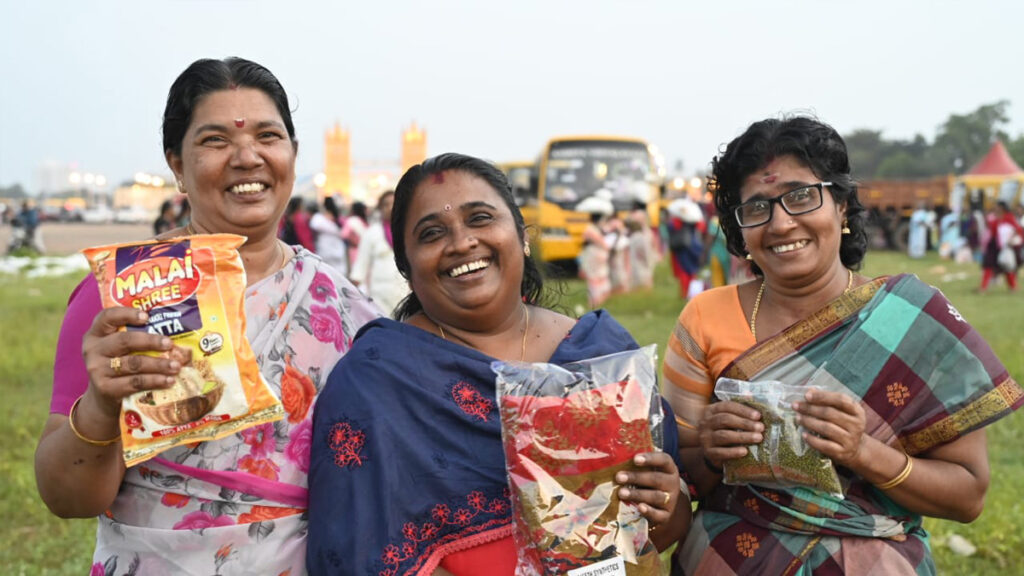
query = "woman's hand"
{"x": 654, "y": 488}
{"x": 114, "y": 371}
{"x": 726, "y": 429}
{"x": 836, "y": 422}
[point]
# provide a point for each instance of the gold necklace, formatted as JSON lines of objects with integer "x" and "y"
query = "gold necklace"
{"x": 526, "y": 331}
{"x": 760, "y": 293}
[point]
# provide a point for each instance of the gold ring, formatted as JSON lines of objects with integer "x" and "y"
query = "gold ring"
{"x": 115, "y": 365}
{"x": 667, "y": 498}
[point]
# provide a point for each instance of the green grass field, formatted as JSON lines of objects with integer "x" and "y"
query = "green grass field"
{"x": 34, "y": 542}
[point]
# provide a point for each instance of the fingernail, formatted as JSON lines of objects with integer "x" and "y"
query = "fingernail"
{"x": 165, "y": 342}
{"x": 623, "y": 493}
{"x": 640, "y": 460}
{"x": 759, "y": 427}
{"x": 143, "y": 316}
{"x": 758, "y": 438}
{"x": 643, "y": 508}
{"x": 169, "y": 380}
{"x": 797, "y": 418}
{"x": 175, "y": 365}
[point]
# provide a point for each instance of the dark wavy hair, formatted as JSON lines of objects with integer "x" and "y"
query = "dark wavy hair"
{"x": 207, "y": 75}
{"x": 814, "y": 144}
{"x": 532, "y": 285}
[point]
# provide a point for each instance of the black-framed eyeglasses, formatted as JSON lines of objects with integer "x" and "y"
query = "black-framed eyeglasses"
{"x": 795, "y": 202}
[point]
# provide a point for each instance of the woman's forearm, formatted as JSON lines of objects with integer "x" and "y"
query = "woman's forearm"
{"x": 76, "y": 479}
{"x": 949, "y": 482}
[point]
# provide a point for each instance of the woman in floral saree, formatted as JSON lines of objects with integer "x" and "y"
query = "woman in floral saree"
{"x": 236, "y": 505}
{"x": 899, "y": 386}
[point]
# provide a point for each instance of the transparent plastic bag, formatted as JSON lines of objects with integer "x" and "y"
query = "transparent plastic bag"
{"x": 566, "y": 431}
{"x": 783, "y": 459}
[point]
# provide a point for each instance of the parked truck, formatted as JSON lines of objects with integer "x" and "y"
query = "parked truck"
{"x": 891, "y": 202}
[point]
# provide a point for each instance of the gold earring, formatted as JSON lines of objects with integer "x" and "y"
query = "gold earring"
{"x": 749, "y": 257}
{"x": 846, "y": 226}
{"x": 526, "y": 249}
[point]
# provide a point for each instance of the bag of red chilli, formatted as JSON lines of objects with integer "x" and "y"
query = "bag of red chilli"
{"x": 192, "y": 287}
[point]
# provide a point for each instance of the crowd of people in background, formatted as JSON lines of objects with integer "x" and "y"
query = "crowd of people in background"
{"x": 357, "y": 243}
{"x": 619, "y": 253}
{"x": 994, "y": 239}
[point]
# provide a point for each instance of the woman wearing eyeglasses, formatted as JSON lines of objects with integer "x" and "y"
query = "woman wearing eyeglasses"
{"x": 898, "y": 385}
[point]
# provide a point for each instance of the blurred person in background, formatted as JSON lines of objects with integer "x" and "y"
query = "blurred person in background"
{"x": 593, "y": 260}
{"x": 374, "y": 270}
{"x": 643, "y": 248}
{"x": 236, "y": 505}
{"x": 184, "y": 216}
{"x": 1004, "y": 238}
{"x": 717, "y": 254}
{"x": 616, "y": 237}
{"x": 295, "y": 230}
{"x": 329, "y": 245}
{"x": 685, "y": 230}
{"x": 920, "y": 224}
{"x": 897, "y": 386}
{"x": 165, "y": 221}
{"x": 352, "y": 231}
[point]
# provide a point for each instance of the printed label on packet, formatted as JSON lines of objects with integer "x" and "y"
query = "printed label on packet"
{"x": 611, "y": 567}
{"x": 192, "y": 288}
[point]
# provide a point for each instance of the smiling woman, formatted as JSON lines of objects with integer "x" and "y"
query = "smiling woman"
{"x": 236, "y": 504}
{"x": 897, "y": 387}
{"x": 407, "y": 439}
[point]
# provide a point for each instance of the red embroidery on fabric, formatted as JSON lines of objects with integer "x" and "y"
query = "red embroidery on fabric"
{"x": 471, "y": 401}
{"x": 440, "y": 516}
{"x": 347, "y": 442}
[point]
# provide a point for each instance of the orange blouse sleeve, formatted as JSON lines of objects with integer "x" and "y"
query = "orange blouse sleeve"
{"x": 710, "y": 333}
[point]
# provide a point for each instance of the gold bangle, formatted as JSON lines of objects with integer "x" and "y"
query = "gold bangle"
{"x": 71, "y": 422}
{"x": 900, "y": 478}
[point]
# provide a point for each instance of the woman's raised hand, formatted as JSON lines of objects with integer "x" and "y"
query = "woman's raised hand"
{"x": 726, "y": 429}
{"x": 836, "y": 422}
{"x": 114, "y": 372}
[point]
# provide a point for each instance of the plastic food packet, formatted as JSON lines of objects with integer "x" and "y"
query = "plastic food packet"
{"x": 783, "y": 459}
{"x": 192, "y": 287}
{"x": 566, "y": 431}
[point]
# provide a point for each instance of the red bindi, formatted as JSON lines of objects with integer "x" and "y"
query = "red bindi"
{"x": 439, "y": 178}
{"x": 240, "y": 122}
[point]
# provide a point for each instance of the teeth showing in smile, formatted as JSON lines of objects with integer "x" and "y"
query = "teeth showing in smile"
{"x": 248, "y": 188}
{"x": 468, "y": 267}
{"x": 789, "y": 247}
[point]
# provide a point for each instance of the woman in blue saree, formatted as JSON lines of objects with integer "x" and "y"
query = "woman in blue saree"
{"x": 899, "y": 386}
{"x": 407, "y": 474}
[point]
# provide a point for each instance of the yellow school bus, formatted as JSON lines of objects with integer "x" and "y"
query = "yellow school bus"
{"x": 573, "y": 168}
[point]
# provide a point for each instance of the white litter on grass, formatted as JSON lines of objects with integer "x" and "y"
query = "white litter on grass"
{"x": 954, "y": 277}
{"x": 43, "y": 266}
{"x": 960, "y": 545}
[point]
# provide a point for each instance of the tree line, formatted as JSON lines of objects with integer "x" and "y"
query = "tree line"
{"x": 960, "y": 142}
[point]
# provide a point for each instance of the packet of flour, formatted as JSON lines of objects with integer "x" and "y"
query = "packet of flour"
{"x": 192, "y": 287}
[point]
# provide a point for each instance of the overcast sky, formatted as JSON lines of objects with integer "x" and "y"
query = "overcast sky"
{"x": 85, "y": 82}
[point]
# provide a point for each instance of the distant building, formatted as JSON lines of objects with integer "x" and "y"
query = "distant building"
{"x": 414, "y": 147}
{"x": 337, "y": 164}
